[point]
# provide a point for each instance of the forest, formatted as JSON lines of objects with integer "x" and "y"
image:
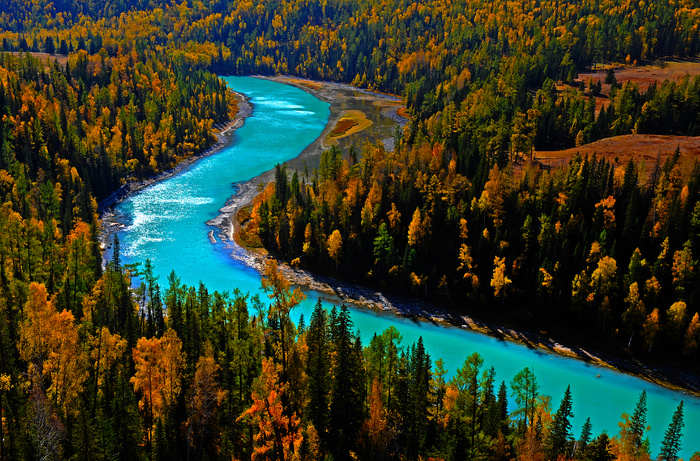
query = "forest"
{"x": 199, "y": 375}
{"x": 93, "y": 94}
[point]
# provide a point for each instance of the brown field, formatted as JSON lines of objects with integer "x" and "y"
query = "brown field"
{"x": 641, "y": 75}
{"x": 645, "y": 75}
{"x": 62, "y": 60}
{"x": 620, "y": 149}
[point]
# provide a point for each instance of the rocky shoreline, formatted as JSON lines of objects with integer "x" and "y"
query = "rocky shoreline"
{"x": 224, "y": 132}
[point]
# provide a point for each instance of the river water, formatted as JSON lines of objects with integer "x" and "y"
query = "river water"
{"x": 166, "y": 223}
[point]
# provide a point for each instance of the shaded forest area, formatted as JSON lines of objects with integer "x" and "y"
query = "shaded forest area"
{"x": 90, "y": 369}
{"x": 189, "y": 374}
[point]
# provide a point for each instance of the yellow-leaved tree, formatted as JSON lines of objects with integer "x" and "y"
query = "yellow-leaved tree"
{"x": 278, "y": 434}
{"x": 159, "y": 363}
{"x": 49, "y": 343}
{"x": 500, "y": 281}
{"x": 335, "y": 247}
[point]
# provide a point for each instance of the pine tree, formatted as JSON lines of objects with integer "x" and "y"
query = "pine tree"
{"x": 584, "y": 439}
{"x": 560, "y": 432}
{"x": 671, "y": 444}
{"x": 638, "y": 424}
{"x": 318, "y": 370}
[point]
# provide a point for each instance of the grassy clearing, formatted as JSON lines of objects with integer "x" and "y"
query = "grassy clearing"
{"x": 643, "y": 76}
{"x": 643, "y": 149}
{"x": 62, "y": 60}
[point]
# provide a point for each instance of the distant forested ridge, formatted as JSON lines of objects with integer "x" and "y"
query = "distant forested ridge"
{"x": 95, "y": 92}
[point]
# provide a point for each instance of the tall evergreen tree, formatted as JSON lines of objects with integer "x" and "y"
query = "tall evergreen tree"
{"x": 318, "y": 370}
{"x": 671, "y": 444}
{"x": 347, "y": 404}
{"x": 560, "y": 433}
{"x": 418, "y": 392}
{"x": 638, "y": 425}
{"x": 503, "y": 407}
{"x": 584, "y": 439}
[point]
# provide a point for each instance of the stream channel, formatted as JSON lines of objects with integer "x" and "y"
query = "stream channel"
{"x": 166, "y": 222}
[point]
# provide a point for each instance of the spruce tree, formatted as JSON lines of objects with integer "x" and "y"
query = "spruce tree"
{"x": 417, "y": 408}
{"x": 489, "y": 403}
{"x": 638, "y": 425}
{"x": 347, "y": 403}
{"x": 584, "y": 439}
{"x": 671, "y": 444}
{"x": 503, "y": 408}
{"x": 560, "y": 433}
{"x": 318, "y": 370}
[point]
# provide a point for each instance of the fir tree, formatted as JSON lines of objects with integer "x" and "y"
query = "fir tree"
{"x": 671, "y": 444}
{"x": 318, "y": 370}
{"x": 638, "y": 424}
{"x": 584, "y": 439}
{"x": 560, "y": 433}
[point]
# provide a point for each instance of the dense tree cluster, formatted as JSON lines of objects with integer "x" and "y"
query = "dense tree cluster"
{"x": 92, "y": 369}
{"x": 226, "y": 375}
{"x": 593, "y": 245}
{"x": 100, "y": 119}
{"x": 481, "y": 59}
{"x": 72, "y": 133}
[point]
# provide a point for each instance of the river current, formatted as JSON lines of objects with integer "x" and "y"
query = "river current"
{"x": 166, "y": 223}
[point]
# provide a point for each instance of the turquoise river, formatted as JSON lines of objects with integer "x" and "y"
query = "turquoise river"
{"x": 166, "y": 223}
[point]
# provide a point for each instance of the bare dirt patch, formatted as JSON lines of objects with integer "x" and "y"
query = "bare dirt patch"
{"x": 620, "y": 149}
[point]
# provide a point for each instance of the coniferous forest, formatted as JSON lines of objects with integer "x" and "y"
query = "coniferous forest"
{"x": 95, "y": 93}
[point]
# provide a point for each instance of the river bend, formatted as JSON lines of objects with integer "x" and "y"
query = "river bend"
{"x": 166, "y": 223}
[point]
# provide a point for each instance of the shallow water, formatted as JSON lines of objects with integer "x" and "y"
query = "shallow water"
{"x": 166, "y": 223}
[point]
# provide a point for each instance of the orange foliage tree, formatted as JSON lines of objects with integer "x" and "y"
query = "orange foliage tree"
{"x": 279, "y": 434}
